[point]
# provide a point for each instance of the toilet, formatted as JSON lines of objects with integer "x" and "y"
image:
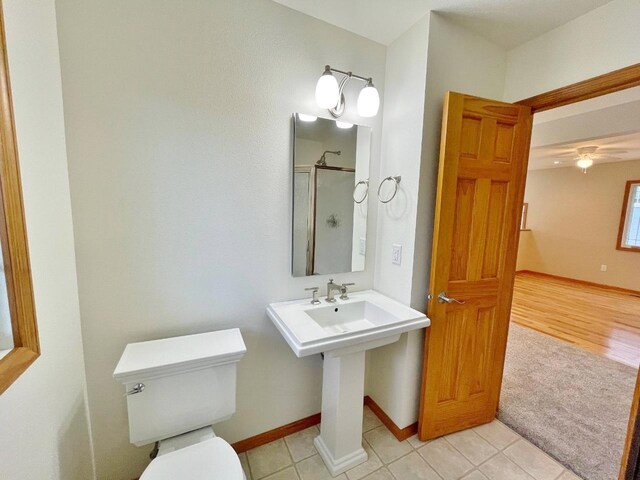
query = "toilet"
{"x": 176, "y": 389}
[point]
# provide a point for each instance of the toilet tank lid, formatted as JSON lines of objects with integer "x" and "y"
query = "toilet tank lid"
{"x": 167, "y": 356}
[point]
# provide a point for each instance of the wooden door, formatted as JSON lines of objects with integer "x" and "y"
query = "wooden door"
{"x": 483, "y": 162}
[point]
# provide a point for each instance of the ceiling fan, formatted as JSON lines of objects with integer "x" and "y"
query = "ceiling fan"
{"x": 585, "y": 157}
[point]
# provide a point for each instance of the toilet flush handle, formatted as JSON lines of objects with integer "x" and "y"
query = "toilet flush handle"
{"x": 137, "y": 388}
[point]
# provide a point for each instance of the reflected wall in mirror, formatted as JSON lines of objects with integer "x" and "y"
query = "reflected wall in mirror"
{"x": 6, "y": 331}
{"x": 330, "y": 196}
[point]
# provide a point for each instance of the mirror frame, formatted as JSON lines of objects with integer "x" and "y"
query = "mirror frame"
{"x": 311, "y": 228}
{"x": 13, "y": 237}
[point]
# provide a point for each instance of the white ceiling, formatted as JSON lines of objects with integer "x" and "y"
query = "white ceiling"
{"x": 610, "y": 122}
{"x": 507, "y": 23}
{"x": 612, "y": 149}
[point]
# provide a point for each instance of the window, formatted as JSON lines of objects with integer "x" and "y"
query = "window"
{"x": 18, "y": 329}
{"x": 629, "y": 231}
{"x": 523, "y": 218}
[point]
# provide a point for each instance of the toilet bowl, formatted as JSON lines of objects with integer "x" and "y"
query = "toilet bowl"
{"x": 207, "y": 460}
{"x": 176, "y": 389}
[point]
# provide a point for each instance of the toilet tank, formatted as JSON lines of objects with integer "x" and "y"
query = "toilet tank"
{"x": 175, "y": 385}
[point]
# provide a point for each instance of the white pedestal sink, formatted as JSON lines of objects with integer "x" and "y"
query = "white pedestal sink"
{"x": 343, "y": 331}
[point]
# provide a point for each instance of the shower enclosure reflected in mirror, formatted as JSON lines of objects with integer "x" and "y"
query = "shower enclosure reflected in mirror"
{"x": 330, "y": 196}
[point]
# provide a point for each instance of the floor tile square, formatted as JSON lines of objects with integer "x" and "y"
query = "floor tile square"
{"x": 416, "y": 442}
{"x": 301, "y": 443}
{"x": 286, "y": 474}
{"x": 446, "y": 460}
{"x": 268, "y": 459}
{"x": 497, "y": 434}
{"x": 412, "y": 467}
{"x": 382, "y": 474}
{"x": 386, "y": 445}
{"x": 501, "y": 468}
{"x": 567, "y": 475}
{"x": 372, "y": 464}
{"x": 369, "y": 420}
{"x": 313, "y": 468}
{"x": 245, "y": 465}
{"x": 475, "y": 475}
{"x": 533, "y": 460}
{"x": 472, "y": 446}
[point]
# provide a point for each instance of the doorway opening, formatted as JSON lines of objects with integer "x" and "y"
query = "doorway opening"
{"x": 481, "y": 183}
{"x": 574, "y": 340}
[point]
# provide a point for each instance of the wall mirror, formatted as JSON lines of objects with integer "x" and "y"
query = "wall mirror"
{"x": 330, "y": 195}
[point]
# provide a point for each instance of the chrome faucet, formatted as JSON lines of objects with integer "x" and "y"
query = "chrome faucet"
{"x": 314, "y": 300}
{"x": 343, "y": 291}
{"x": 332, "y": 287}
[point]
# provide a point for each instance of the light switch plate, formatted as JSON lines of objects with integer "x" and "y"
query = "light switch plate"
{"x": 396, "y": 254}
{"x": 363, "y": 246}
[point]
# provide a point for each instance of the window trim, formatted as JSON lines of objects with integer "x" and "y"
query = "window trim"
{"x": 623, "y": 218}
{"x": 13, "y": 239}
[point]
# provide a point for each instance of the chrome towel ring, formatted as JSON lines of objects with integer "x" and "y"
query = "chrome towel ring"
{"x": 366, "y": 190}
{"x": 396, "y": 180}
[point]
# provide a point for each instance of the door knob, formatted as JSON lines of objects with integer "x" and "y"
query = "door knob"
{"x": 442, "y": 298}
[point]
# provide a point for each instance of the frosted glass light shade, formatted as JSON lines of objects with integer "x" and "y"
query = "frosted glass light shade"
{"x": 327, "y": 92}
{"x": 344, "y": 125}
{"x": 584, "y": 163}
{"x": 368, "y": 101}
{"x": 307, "y": 118}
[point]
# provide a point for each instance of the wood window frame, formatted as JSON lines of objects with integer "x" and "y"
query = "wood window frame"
{"x": 611, "y": 82}
{"x": 13, "y": 237}
{"x": 623, "y": 218}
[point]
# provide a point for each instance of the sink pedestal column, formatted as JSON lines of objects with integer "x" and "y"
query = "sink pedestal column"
{"x": 340, "y": 439}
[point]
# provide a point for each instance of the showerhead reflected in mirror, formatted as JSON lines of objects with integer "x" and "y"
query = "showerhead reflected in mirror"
{"x": 330, "y": 197}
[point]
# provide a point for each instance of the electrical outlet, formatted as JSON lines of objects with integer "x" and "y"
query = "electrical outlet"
{"x": 603, "y": 268}
{"x": 396, "y": 254}
{"x": 363, "y": 245}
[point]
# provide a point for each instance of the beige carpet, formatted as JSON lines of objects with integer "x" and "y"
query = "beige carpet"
{"x": 571, "y": 403}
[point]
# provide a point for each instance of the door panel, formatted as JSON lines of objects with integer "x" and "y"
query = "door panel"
{"x": 483, "y": 158}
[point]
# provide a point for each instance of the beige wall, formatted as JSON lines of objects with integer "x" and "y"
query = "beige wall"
{"x": 44, "y": 428}
{"x": 567, "y": 54}
{"x": 178, "y": 117}
{"x": 574, "y": 219}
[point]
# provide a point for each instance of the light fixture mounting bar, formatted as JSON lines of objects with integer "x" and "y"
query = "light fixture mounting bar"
{"x": 348, "y": 74}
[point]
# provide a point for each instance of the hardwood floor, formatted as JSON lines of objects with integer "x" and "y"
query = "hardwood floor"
{"x": 601, "y": 320}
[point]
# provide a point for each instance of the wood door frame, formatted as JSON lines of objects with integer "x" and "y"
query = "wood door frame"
{"x": 611, "y": 82}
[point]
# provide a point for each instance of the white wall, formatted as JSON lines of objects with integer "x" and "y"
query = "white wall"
{"x": 44, "y": 431}
{"x": 456, "y": 60}
{"x": 178, "y": 119}
{"x": 598, "y": 42}
{"x": 387, "y": 373}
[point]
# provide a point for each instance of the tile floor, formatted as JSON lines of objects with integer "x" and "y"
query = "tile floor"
{"x": 488, "y": 452}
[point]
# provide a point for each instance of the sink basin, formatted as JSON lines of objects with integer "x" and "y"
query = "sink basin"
{"x": 343, "y": 331}
{"x": 366, "y": 317}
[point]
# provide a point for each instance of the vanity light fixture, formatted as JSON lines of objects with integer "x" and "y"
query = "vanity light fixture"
{"x": 307, "y": 118}
{"x": 368, "y": 100}
{"x": 344, "y": 125}
{"x": 329, "y": 93}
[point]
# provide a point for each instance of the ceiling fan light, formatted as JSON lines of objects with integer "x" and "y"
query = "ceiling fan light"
{"x": 584, "y": 162}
